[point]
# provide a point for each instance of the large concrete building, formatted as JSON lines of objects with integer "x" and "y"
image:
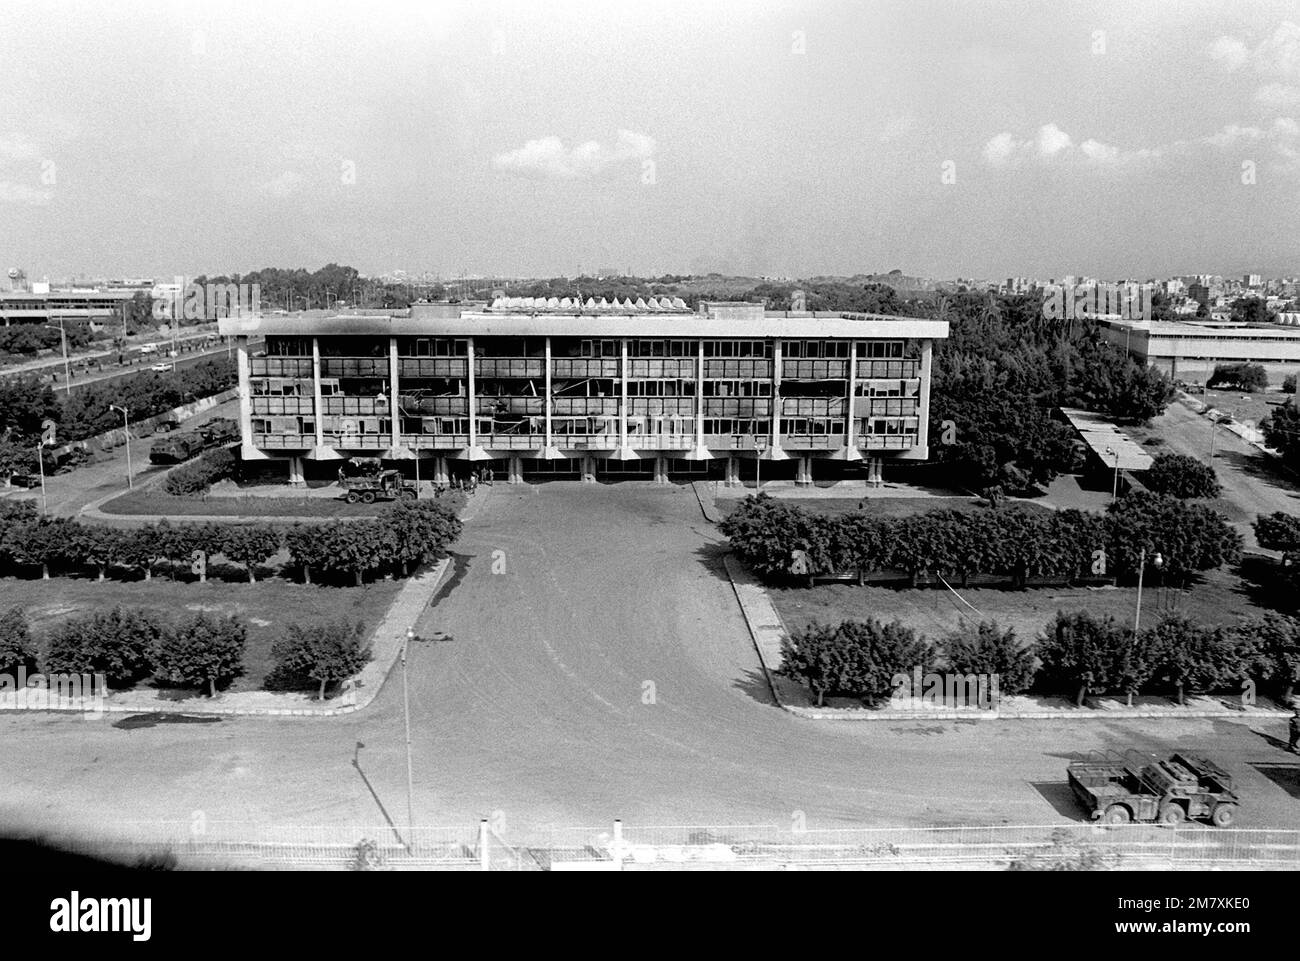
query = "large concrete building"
{"x": 584, "y": 389}
{"x": 1190, "y": 350}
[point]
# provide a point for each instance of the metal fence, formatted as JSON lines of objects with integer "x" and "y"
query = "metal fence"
{"x": 736, "y": 847}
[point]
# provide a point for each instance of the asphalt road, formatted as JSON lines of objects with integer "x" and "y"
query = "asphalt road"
{"x": 594, "y": 665}
{"x": 1250, "y": 483}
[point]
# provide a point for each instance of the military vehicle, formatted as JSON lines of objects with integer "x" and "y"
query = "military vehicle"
{"x": 1117, "y": 789}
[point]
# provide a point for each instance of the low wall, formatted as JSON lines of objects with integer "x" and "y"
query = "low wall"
{"x": 149, "y": 425}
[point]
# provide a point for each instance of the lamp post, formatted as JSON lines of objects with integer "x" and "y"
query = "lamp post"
{"x": 126, "y": 428}
{"x": 760, "y": 445}
{"x": 406, "y": 713}
{"x": 1114, "y": 487}
{"x": 1158, "y": 562}
{"x": 40, "y": 461}
{"x": 67, "y": 369}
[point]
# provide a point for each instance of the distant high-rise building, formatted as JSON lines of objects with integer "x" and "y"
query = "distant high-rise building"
{"x": 1252, "y": 280}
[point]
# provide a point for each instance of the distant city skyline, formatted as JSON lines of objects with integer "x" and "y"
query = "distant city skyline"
{"x": 1148, "y": 139}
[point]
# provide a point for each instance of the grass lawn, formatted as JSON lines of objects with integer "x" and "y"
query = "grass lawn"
{"x": 152, "y": 503}
{"x": 267, "y": 607}
{"x": 891, "y": 506}
{"x": 1219, "y": 599}
{"x": 1235, "y": 404}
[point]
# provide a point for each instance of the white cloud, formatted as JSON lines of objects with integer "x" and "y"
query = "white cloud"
{"x": 548, "y": 157}
{"x": 284, "y": 185}
{"x": 1277, "y": 95}
{"x": 897, "y": 128}
{"x": 18, "y": 146}
{"x": 1229, "y": 51}
{"x": 12, "y": 193}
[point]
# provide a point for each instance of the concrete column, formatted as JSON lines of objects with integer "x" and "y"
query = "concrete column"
{"x": 699, "y": 395}
{"x": 588, "y": 469}
{"x": 875, "y": 471}
{"x": 733, "y": 472}
{"x": 440, "y": 470}
{"x": 318, "y": 403}
{"x": 661, "y": 470}
{"x": 394, "y": 412}
{"x": 622, "y": 396}
{"x": 548, "y": 392}
{"x": 774, "y": 444}
{"x": 850, "y": 424}
{"x": 515, "y": 469}
{"x": 296, "y": 477}
{"x": 923, "y": 405}
{"x": 245, "y": 392}
{"x": 471, "y": 401}
{"x": 803, "y": 475}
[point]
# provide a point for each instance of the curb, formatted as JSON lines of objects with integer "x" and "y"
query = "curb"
{"x": 753, "y": 636}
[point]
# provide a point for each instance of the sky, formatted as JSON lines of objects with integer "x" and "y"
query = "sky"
{"x": 970, "y": 138}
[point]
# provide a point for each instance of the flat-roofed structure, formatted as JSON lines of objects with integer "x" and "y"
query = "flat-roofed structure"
{"x": 558, "y": 385}
{"x": 1111, "y": 446}
{"x": 97, "y": 306}
{"x": 1189, "y": 350}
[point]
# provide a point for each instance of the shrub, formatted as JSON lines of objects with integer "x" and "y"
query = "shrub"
{"x": 1249, "y": 377}
{"x": 1272, "y": 644}
{"x": 1288, "y": 384}
{"x": 202, "y": 651}
{"x": 117, "y": 644}
{"x": 1195, "y": 657}
{"x": 1078, "y": 654}
{"x": 985, "y": 648}
{"x": 1181, "y": 476}
{"x": 197, "y": 476}
{"x": 16, "y": 650}
{"x": 417, "y": 532}
{"x": 250, "y": 545}
{"x": 857, "y": 659}
{"x": 1189, "y": 537}
{"x": 323, "y": 654}
{"x": 44, "y": 542}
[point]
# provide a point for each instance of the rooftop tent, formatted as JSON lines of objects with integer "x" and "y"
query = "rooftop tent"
{"x": 603, "y": 304}
{"x": 641, "y": 304}
{"x": 679, "y": 304}
{"x": 590, "y": 304}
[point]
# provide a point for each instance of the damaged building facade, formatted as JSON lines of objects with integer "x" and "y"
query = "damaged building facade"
{"x": 560, "y": 387}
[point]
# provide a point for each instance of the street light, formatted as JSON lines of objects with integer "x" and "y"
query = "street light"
{"x": 760, "y": 445}
{"x": 67, "y": 370}
{"x": 1157, "y": 562}
{"x": 126, "y": 428}
{"x": 1114, "y": 487}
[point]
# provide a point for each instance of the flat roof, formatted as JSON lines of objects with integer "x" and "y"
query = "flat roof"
{"x": 478, "y": 322}
{"x": 1114, "y": 447}
{"x": 1186, "y": 328}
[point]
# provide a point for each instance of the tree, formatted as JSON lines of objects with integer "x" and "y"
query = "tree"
{"x": 99, "y": 546}
{"x": 815, "y": 657}
{"x": 419, "y": 531}
{"x": 324, "y": 653}
{"x": 16, "y": 649}
{"x": 117, "y": 644}
{"x": 1252, "y": 311}
{"x": 1190, "y": 537}
{"x": 1272, "y": 641}
{"x": 1181, "y": 476}
{"x": 1282, "y": 431}
{"x": 250, "y": 545}
{"x": 302, "y": 541}
{"x": 1278, "y": 532}
{"x": 1249, "y": 377}
{"x": 1077, "y": 653}
{"x": 1194, "y": 657}
{"x": 44, "y": 542}
{"x": 1288, "y": 384}
{"x": 877, "y": 652}
{"x": 202, "y": 651}
{"x": 986, "y": 649}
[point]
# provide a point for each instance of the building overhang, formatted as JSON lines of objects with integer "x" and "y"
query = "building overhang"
{"x": 472, "y": 453}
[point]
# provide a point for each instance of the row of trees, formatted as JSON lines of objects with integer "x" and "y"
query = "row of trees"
{"x": 26, "y": 405}
{"x": 200, "y": 474}
{"x": 406, "y": 533}
{"x": 1013, "y": 542}
{"x": 28, "y": 339}
{"x": 1076, "y": 654}
{"x": 203, "y": 651}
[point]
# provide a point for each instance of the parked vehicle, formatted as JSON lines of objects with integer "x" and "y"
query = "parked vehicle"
{"x": 1133, "y": 787}
{"x": 177, "y": 447}
{"x": 386, "y": 485}
{"x": 161, "y": 368}
{"x": 220, "y": 430}
{"x": 148, "y": 348}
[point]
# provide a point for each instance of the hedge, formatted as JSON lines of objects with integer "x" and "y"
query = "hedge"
{"x": 1076, "y": 654}
{"x": 1010, "y": 542}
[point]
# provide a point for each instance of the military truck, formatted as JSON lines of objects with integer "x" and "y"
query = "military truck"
{"x": 177, "y": 447}
{"x": 1135, "y": 787}
{"x": 385, "y": 485}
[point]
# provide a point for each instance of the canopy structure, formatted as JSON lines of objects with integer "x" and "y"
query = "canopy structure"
{"x": 1112, "y": 447}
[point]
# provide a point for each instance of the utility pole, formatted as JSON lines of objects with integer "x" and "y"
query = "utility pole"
{"x": 67, "y": 369}
{"x": 406, "y": 712}
{"x": 126, "y": 428}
